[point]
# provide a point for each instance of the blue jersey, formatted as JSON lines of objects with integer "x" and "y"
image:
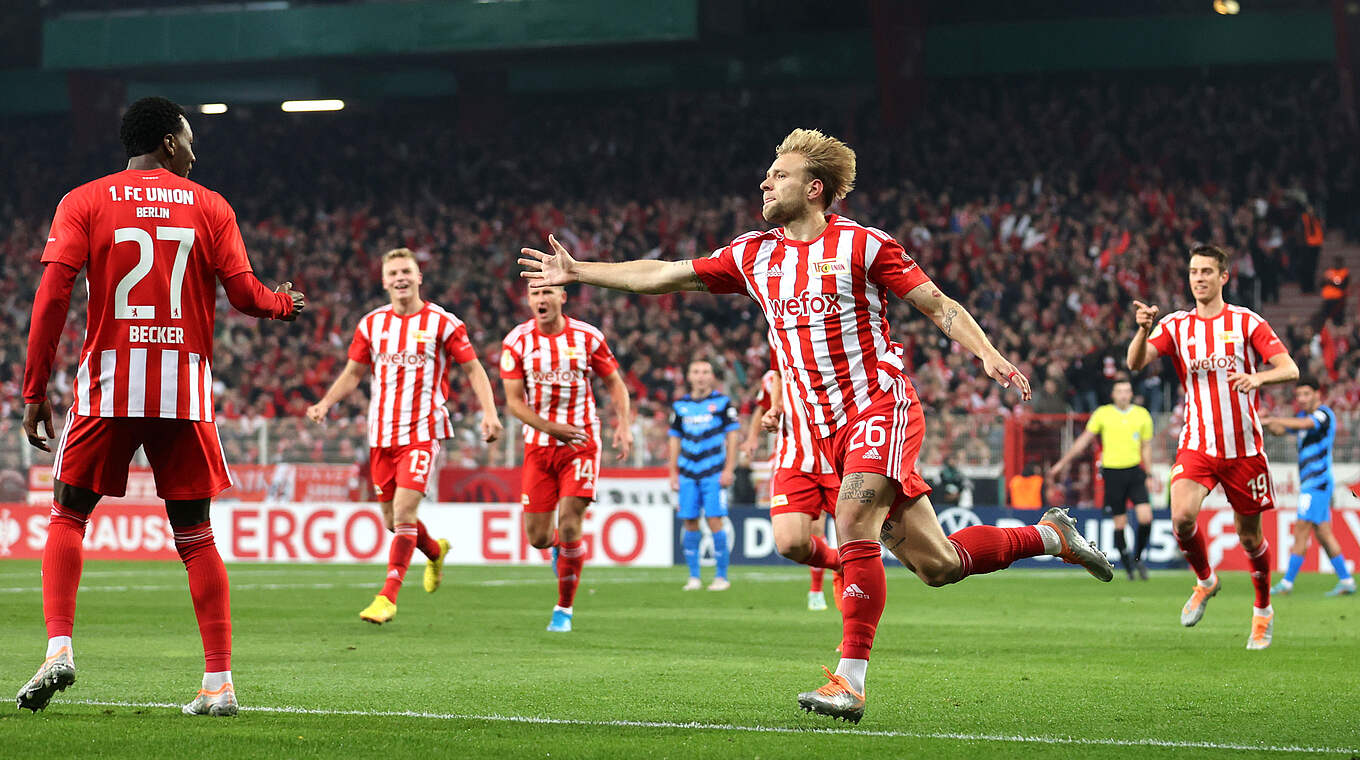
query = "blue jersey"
{"x": 1315, "y": 450}
{"x": 702, "y": 427}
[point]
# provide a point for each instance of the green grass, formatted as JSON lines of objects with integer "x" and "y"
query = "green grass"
{"x": 1034, "y": 655}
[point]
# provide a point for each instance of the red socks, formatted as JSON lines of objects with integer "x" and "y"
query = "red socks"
{"x": 817, "y": 573}
{"x": 1197, "y": 554}
{"x": 823, "y": 555}
{"x": 399, "y": 558}
{"x": 209, "y": 589}
{"x": 862, "y": 601}
{"x": 986, "y": 549}
{"x": 570, "y": 558}
{"x": 63, "y": 558}
{"x": 427, "y": 545}
{"x": 1260, "y": 573}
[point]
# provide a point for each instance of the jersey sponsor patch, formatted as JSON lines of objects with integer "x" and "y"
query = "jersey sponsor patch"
{"x": 827, "y": 267}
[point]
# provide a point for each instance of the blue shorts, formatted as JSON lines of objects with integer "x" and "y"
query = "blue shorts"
{"x": 706, "y": 496}
{"x": 1315, "y": 505}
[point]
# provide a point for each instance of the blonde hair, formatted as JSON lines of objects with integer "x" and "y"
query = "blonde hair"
{"x": 400, "y": 253}
{"x": 828, "y": 159}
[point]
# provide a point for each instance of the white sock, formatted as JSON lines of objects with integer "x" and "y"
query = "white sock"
{"x": 1210, "y": 581}
{"x": 561, "y": 609}
{"x": 854, "y": 672}
{"x": 55, "y": 644}
{"x": 215, "y": 681}
{"x": 1052, "y": 542}
{"x": 1269, "y": 610}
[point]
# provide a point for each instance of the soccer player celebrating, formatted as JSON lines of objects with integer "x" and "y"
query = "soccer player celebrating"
{"x": 1315, "y": 425}
{"x": 153, "y": 245}
{"x": 703, "y": 455}
{"x": 1219, "y": 350}
{"x": 821, "y": 281}
{"x": 546, "y": 365}
{"x": 1125, "y": 431}
{"x": 406, "y": 347}
{"x": 803, "y": 486}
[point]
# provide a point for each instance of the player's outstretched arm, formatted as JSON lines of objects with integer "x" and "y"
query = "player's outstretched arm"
{"x": 1282, "y": 370}
{"x": 1289, "y": 423}
{"x": 349, "y": 379}
{"x": 1078, "y": 446}
{"x": 956, "y": 323}
{"x": 623, "y": 413}
{"x": 249, "y": 296}
{"x": 1139, "y": 355}
{"x": 481, "y": 387}
{"x": 514, "y": 401}
{"x": 650, "y": 276}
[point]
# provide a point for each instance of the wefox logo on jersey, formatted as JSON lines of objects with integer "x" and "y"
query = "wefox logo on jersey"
{"x": 558, "y": 376}
{"x": 1213, "y": 362}
{"x": 806, "y": 305}
{"x": 403, "y": 359}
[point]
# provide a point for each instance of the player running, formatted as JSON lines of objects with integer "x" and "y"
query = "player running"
{"x": 406, "y": 349}
{"x": 1125, "y": 431}
{"x": 546, "y": 365}
{"x": 153, "y": 245}
{"x": 822, "y": 282}
{"x": 1315, "y": 425}
{"x": 703, "y": 456}
{"x": 1219, "y": 350}
{"x": 803, "y": 486}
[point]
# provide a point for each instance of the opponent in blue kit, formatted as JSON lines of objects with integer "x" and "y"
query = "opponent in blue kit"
{"x": 1315, "y": 425}
{"x": 703, "y": 450}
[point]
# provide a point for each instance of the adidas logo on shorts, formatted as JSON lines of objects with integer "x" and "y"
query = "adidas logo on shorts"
{"x": 873, "y": 454}
{"x": 854, "y": 590}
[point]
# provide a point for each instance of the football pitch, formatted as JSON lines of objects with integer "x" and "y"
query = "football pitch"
{"x": 1040, "y": 664}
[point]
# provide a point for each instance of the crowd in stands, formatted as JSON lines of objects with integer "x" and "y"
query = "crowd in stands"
{"x": 1045, "y": 206}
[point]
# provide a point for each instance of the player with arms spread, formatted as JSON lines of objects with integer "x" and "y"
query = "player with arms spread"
{"x": 153, "y": 245}
{"x": 1220, "y": 351}
{"x": 822, "y": 282}
{"x": 803, "y": 485}
{"x": 407, "y": 347}
{"x": 546, "y": 365}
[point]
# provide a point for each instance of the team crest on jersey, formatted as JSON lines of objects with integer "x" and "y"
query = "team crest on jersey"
{"x": 713, "y": 408}
{"x": 1229, "y": 336}
{"x": 827, "y": 267}
{"x": 423, "y": 336}
{"x": 575, "y": 352}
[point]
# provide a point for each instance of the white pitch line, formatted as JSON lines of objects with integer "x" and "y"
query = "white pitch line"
{"x": 529, "y": 719}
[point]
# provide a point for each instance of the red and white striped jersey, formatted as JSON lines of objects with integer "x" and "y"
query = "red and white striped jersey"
{"x": 556, "y": 373}
{"x": 824, "y": 302}
{"x": 1219, "y": 421}
{"x": 410, "y": 357}
{"x": 794, "y": 448}
{"x": 153, "y": 246}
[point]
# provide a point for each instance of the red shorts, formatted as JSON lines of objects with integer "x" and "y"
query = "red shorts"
{"x": 884, "y": 439}
{"x": 406, "y": 466}
{"x": 796, "y": 492}
{"x": 554, "y": 472}
{"x": 185, "y": 455}
{"x": 1245, "y": 480}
